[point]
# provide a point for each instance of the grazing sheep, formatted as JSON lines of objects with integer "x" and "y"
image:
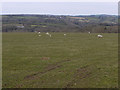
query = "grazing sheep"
{"x": 47, "y": 33}
{"x": 50, "y": 35}
{"x": 39, "y": 35}
{"x": 38, "y": 32}
{"x": 88, "y": 32}
{"x": 64, "y": 34}
{"x": 99, "y": 36}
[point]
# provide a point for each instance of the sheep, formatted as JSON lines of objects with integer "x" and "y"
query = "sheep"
{"x": 39, "y": 35}
{"x": 38, "y": 32}
{"x": 89, "y": 32}
{"x": 99, "y": 36}
{"x": 50, "y": 35}
{"x": 47, "y": 33}
{"x": 64, "y": 34}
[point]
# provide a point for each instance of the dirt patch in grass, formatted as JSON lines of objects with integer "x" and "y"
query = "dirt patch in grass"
{"x": 45, "y": 58}
{"x": 80, "y": 74}
{"x": 47, "y": 69}
{"x": 32, "y": 76}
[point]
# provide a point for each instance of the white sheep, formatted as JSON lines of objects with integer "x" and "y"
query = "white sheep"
{"x": 89, "y": 32}
{"x": 47, "y": 33}
{"x": 50, "y": 35}
{"x": 38, "y": 32}
{"x": 64, "y": 34}
{"x": 99, "y": 36}
{"x": 40, "y": 35}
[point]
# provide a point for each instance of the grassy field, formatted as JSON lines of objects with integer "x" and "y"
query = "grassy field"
{"x": 77, "y": 60}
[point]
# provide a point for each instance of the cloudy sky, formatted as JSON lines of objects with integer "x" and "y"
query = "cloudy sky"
{"x": 68, "y": 7}
{"x": 59, "y": 0}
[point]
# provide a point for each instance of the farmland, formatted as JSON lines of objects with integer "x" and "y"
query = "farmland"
{"x": 77, "y": 60}
{"x": 60, "y": 23}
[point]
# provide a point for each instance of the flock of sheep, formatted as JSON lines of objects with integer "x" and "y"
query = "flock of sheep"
{"x": 99, "y": 36}
{"x": 47, "y": 34}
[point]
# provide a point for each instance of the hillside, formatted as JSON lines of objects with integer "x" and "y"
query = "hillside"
{"x": 55, "y": 23}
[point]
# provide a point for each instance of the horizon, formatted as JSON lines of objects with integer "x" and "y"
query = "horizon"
{"x": 62, "y": 15}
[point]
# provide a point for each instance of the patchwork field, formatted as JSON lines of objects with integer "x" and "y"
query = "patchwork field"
{"x": 77, "y": 60}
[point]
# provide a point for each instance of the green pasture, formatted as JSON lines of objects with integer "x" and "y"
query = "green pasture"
{"x": 77, "y": 60}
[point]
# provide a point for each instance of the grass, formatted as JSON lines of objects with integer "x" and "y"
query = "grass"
{"x": 77, "y": 60}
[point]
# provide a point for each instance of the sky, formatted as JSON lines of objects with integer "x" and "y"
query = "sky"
{"x": 70, "y": 7}
{"x": 59, "y": 0}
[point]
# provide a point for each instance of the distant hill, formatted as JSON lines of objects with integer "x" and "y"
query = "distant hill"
{"x": 60, "y": 23}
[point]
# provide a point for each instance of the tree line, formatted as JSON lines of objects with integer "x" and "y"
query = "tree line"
{"x": 60, "y": 23}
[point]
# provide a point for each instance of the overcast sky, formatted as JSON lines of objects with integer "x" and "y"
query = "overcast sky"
{"x": 59, "y": 0}
{"x": 60, "y": 8}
